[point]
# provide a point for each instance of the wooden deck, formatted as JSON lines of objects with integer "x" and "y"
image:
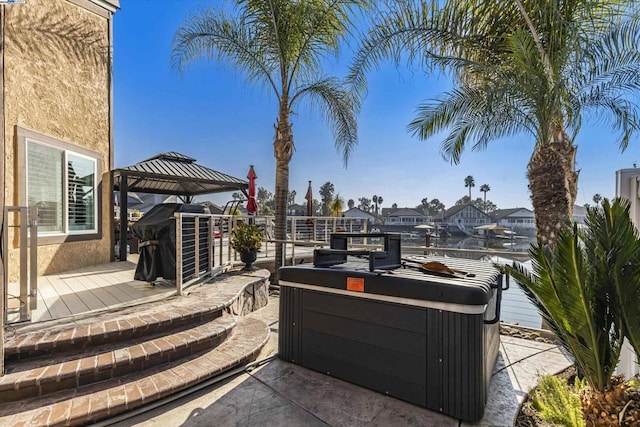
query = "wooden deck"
{"x": 89, "y": 289}
{"x": 106, "y": 286}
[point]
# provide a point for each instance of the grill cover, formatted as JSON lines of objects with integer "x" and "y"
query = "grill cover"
{"x": 156, "y": 231}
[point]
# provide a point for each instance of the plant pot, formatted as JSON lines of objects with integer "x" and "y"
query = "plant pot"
{"x": 249, "y": 257}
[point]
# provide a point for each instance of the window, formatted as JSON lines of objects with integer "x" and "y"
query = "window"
{"x": 44, "y": 186}
{"x": 81, "y": 185}
{"x": 62, "y": 181}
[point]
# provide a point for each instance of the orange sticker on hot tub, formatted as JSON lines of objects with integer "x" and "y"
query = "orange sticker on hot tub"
{"x": 355, "y": 284}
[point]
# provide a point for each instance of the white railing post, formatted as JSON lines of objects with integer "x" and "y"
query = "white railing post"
{"x": 326, "y": 229}
{"x": 294, "y": 237}
{"x": 210, "y": 244}
{"x": 221, "y": 240}
{"x": 4, "y": 294}
{"x": 178, "y": 253}
{"x": 315, "y": 237}
{"x": 33, "y": 257}
{"x": 196, "y": 243}
{"x": 25, "y": 307}
{"x": 627, "y": 186}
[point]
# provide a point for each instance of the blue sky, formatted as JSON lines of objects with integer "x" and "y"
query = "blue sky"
{"x": 209, "y": 113}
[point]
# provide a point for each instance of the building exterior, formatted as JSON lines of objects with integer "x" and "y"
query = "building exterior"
{"x": 520, "y": 220}
{"x": 579, "y": 214}
{"x": 296, "y": 210}
{"x": 403, "y": 216}
{"x": 359, "y": 213}
{"x": 462, "y": 219}
{"x": 57, "y": 118}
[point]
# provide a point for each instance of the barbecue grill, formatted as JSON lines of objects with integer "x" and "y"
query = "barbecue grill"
{"x": 428, "y": 336}
{"x": 156, "y": 231}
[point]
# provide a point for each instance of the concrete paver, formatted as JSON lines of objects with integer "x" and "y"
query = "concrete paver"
{"x": 279, "y": 393}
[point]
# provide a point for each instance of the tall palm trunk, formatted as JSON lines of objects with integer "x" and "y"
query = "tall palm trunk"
{"x": 282, "y": 150}
{"x": 553, "y": 184}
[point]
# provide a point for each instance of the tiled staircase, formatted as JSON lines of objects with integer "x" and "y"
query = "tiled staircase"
{"x": 82, "y": 370}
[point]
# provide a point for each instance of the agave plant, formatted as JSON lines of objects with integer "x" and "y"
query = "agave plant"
{"x": 587, "y": 288}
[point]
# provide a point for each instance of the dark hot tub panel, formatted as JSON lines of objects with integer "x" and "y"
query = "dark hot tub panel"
{"x": 386, "y": 323}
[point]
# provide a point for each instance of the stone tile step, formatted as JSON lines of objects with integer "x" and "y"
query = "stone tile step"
{"x": 108, "y": 398}
{"x": 204, "y": 302}
{"x": 40, "y": 376}
{"x": 111, "y": 328}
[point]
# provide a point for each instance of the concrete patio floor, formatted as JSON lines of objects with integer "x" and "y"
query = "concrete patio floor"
{"x": 278, "y": 393}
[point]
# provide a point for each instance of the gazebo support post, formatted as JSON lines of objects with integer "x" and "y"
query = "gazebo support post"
{"x": 124, "y": 220}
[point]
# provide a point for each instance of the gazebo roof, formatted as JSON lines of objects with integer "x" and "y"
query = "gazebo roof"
{"x": 177, "y": 174}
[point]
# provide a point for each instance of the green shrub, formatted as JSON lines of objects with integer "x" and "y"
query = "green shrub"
{"x": 246, "y": 237}
{"x": 587, "y": 288}
{"x": 556, "y": 403}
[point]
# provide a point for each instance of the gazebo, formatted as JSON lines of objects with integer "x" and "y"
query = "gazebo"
{"x": 169, "y": 173}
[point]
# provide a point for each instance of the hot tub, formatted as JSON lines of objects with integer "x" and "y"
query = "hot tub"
{"x": 424, "y": 337}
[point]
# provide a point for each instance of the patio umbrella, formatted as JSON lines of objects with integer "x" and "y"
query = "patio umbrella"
{"x": 309, "y": 198}
{"x": 252, "y": 205}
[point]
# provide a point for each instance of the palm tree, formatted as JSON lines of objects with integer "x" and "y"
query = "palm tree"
{"x": 597, "y": 198}
{"x": 484, "y": 188}
{"x": 469, "y": 182}
{"x": 534, "y": 66}
{"x": 279, "y": 45}
{"x": 326, "y": 194}
{"x": 337, "y": 206}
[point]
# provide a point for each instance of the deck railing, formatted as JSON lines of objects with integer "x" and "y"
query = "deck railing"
{"x": 21, "y": 227}
{"x": 208, "y": 251}
{"x": 203, "y": 240}
{"x": 302, "y": 232}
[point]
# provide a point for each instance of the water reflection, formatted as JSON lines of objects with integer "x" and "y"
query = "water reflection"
{"x": 513, "y": 244}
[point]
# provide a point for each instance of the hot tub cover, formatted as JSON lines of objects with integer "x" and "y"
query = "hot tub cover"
{"x": 405, "y": 282}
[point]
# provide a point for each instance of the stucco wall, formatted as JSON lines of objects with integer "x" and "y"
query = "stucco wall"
{"x": 57, "y": 84}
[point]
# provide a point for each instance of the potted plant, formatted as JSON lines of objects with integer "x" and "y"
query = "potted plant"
{"x": 246, "y": 239}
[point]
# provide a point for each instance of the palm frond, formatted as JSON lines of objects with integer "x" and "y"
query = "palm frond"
{"x": 620, "y": 113}
{"x": 329, "y": 97}
{"x": 471, "y": 116}
{"x": 591, "y": 47}
{"x": 214, "y": 35}
{"x": 567, "y": 289}
{"x": 322, "y": 31}
{"x": 416, "y": 32}
{"x": 614, "y": 245}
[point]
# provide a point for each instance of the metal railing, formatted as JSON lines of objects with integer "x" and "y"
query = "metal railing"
{"x": 25, "y": 220}
{"x": 302, "y": 233}
{"x": 203, "y": 240}
{"x": 203, "y": 248}
{"x": 194, "y": 248}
